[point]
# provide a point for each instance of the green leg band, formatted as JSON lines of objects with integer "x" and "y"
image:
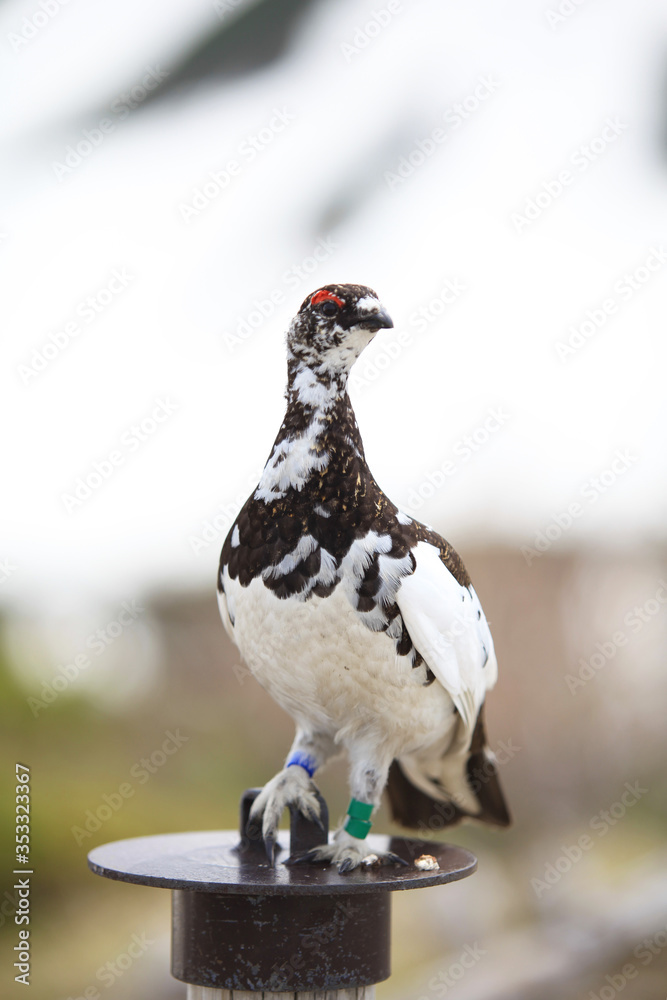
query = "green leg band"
{"x": 358, "y": 821}
{"x": 358, "y": 827}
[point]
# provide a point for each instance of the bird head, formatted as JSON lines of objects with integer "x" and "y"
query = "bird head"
{"x": 333, "y": 326}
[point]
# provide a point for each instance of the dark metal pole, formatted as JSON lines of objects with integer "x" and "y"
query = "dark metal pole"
{"x": 241, "y": 927}
{"x": 204, "y": 993}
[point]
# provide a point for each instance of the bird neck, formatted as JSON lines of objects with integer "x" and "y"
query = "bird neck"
{"x": 319, "y": 432}
{"x": 318, "y": 401}
{"x": 311, "y": 385}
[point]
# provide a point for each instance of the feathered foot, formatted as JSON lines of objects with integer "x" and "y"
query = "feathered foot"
{"x": 291, "y": 786}
{"x": 348, "y": 853}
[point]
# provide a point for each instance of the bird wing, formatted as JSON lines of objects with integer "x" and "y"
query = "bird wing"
{"x": 448, "y": 628}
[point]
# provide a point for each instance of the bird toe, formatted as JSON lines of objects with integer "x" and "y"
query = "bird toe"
{"x": 290, "y": 787}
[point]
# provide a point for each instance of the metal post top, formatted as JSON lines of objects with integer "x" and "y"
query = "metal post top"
{"x": 224, "y": 862}
{"x": 214, "y": 861}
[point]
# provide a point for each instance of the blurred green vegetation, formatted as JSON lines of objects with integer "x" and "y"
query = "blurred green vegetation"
{"x": 77, "y": 754}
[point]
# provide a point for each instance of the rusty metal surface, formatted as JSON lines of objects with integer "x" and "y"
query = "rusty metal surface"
{"x": 278, "y": 943}
{"x": 213, "y": 862}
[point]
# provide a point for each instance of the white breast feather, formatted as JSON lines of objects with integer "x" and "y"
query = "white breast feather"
{"x": 311, "y": 392}
{"x": 321, "y": 663}
{"x": 292, "y": 464}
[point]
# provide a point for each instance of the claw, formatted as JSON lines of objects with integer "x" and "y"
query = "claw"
{"x": 346, "y": 855}
{"x": 393, "y": 859}
{"x": 270, "y": 847}
{"x": 308, "y": 858}
{"x": 290, "y": 787}
{"x": 316, "y": 819}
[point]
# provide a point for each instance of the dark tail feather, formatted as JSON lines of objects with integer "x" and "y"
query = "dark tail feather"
{"x": 482, "y": 775}
{"x": 483, "y": 779}
{"x": 416, "y": 810}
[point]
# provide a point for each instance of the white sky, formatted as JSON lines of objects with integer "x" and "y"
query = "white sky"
{"x": 550, "y": 90}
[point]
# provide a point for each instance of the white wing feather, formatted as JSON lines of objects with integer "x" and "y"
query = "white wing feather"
{"x": 447, "y": 626}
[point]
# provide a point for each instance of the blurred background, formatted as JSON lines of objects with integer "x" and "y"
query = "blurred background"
{"x": 178, "y": 177}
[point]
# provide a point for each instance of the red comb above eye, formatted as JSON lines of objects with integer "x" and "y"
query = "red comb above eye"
{"x": 324, "y": 296}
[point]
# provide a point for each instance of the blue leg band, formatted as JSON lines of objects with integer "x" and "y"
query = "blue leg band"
{"x": 304, "y": 761}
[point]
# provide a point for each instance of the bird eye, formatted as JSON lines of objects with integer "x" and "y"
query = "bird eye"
{"x": 327, "y": 301}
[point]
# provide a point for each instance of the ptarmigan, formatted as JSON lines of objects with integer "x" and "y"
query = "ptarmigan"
{"x": 359, "y": 621}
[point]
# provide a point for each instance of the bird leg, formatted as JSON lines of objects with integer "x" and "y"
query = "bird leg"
{"x": 293, "y": 786}
{"x": 348, "y": 851}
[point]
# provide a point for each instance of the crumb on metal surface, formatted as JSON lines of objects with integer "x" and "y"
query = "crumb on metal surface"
{"x": 426, "y": 863}
{"x": 371, "y": 861}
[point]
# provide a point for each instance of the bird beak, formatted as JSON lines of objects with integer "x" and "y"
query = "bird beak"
{"x": 375, "y": 319}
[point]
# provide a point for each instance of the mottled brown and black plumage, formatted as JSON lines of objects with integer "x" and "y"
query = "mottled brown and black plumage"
{"x": 318, "y": 523}
{"x": 337, "y": 505}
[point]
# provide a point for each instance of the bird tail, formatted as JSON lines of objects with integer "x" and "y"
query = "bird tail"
{"x": 463, "y": 784}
